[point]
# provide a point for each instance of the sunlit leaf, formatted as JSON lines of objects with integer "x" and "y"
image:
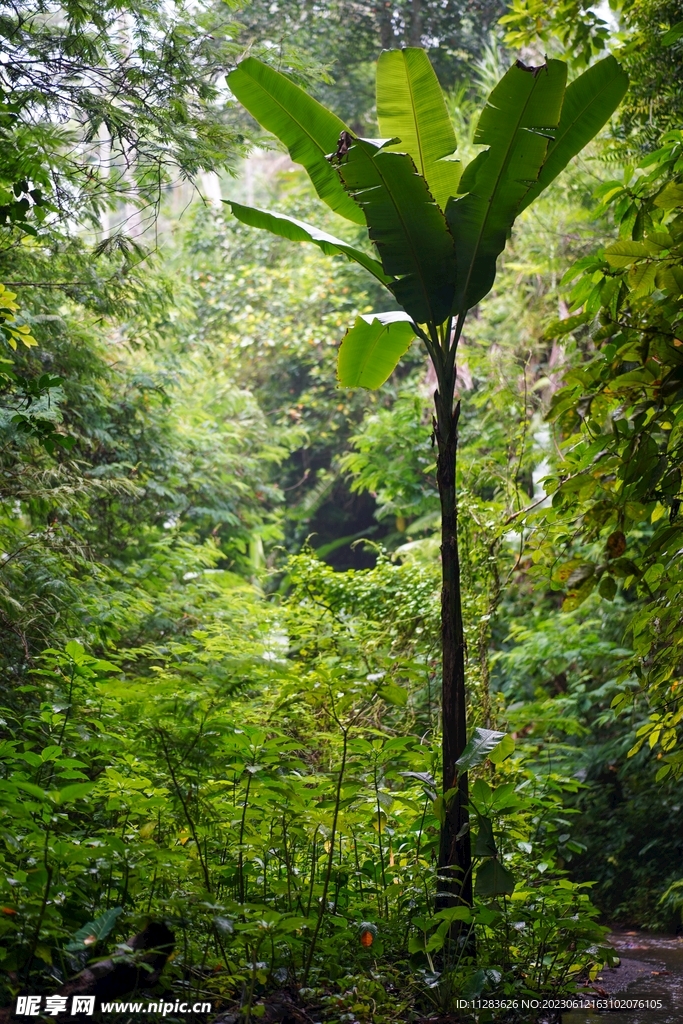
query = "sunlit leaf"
{"x": 371, "y": 349}
{"x": 589, "y": 102}
{"x": 517, "y": 123}
{"x": 478, "y": 748}
{"x": 411, "y": 106}
{"x": 309, "y": 131}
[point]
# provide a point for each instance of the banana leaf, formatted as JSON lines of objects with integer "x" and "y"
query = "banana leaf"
{"x": 410, "y": 105}
{"x": 372, "y": 348}
{"x": 299, "y": 231}
{"x": 517, "y": 124}
{"x": 308, "y": 130}
{"x": 408, "y": 228}
{"x": 589, "y": 102}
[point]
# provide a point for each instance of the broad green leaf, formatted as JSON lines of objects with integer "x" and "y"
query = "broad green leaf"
{"x": 298, "y": 231}
{"x": 479, "y": 747}
{"x": 481, "y": 796}
{"x": 626, "y": 252}
{"x": 309, "y": 131}
{"x": 372, "y": 348}
{"x": 439, "y": 809}
{"x": 75, "y": 650}
{"x": 494, "y": 879}
{"x": 504, "y": 796}
{"x": 485, "y": 844}
{"x": 31, "y": 789}
{"x": 673, "y": 35}
{"x": 502, "y": 749}
{"x": 670, "y": 197}
{"x": 589, "y": 102}
{"x": 436, "y": 941}
{"x": 454, "y": 914}
{"x": 397, "y": 695}
{"x": 31, "y": 758}
{"x": 77, "y": 791}
{"x": 408, "y": 228}
{"x": 94, "y": 931}
{"x": 410, "y": 105}
{"x": 50, "y": 753}
{"x": 475, "y": 985}
{"x": 519, "y": 119}
{"x": 670, "y": 279}
{"x": 99, "y": 665}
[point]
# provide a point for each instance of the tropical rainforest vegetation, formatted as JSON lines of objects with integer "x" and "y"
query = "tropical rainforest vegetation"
{"x": 244, "y": 718}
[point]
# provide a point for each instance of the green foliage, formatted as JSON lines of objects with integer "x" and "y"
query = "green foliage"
{"x": 646, "y": 41}
{"x": 480, "y": 746}
{"x": 121, "y": 534}
{"x": 411, "y": 107}
{"x": 392, "y": 457}
{"x": 266, "y": 316}
{"x": 619, "y": 414}
{"x": 13, "y": 331}
{"x": 371, "y": 349}
{"x": 102, "y": 102}
{"x": 521, "y": 112}
{"x": 94, "y": 931}
{"x": 348, "y": 40}
{"x": 154, "y": 781}
{"x": 416, "y": 245}
{"x": 252, "y": 755}
{"x": 309, "y": 131}
{"x": 525, "y": 904}
{"x": 560, "y": 673}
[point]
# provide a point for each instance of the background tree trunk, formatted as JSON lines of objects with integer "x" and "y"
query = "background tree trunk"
{"x": 416, "y": 23}
{"x": 383, "y": 12}
{"x": 455, "y": 858}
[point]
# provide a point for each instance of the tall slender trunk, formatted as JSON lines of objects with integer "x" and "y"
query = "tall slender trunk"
{"x": 455, "y": 857}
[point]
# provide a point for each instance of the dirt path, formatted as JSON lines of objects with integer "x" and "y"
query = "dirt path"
{"x": 647, "y": 986}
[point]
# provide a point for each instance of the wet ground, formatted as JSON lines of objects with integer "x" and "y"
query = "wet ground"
{"x": 651, "y": 972}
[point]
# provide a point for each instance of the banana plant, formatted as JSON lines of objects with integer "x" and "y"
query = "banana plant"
{"x": 437, "y": 229}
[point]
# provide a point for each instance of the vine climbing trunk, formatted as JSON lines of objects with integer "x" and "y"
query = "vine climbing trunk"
{"x": 455, "y": 858}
